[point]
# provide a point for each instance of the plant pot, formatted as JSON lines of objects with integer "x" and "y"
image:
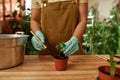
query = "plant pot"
{"x": 104, "y": 73}
{"x": 61, "y": 63}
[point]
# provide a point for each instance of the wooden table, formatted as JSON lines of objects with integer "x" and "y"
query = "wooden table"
{"x": 80, "y": 67}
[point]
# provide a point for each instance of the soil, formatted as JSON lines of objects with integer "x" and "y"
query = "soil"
{"x": 61, "y": 57}
{"x": 108, "y": 73}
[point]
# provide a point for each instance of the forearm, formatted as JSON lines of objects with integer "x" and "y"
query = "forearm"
{"x": 35, "y": 26}
{"x": 35, "y": 19}
{"x": 80, "y": 29}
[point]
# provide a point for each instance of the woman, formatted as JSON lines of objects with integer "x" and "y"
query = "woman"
{"x": 54, "y": 21}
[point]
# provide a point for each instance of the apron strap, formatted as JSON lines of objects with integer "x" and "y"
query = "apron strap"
{"x": 44, "y": 1}
{"x": 75, "y": 1}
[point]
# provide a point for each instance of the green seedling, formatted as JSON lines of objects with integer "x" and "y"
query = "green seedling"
{"x": 60, "y": 47}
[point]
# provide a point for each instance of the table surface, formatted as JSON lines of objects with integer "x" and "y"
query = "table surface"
{"x": 80, "y": 67}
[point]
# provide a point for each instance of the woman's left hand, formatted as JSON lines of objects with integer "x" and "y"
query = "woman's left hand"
{"x": 71, "y": 46}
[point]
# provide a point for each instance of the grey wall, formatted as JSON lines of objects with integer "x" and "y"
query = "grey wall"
{"x": 103, "y": 7}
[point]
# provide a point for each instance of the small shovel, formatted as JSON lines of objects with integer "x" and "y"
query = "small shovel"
{"x": 45, "y": 47}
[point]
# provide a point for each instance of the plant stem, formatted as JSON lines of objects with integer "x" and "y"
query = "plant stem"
{"x": 112, "y": 65}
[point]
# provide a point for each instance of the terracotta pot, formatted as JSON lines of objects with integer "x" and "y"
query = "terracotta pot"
{"x": 104, "y": 73}
{"x": 61, "y": 63}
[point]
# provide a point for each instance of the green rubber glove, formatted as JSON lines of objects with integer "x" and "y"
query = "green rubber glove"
{"x": 36, "y": 44}
{"x": 71, "y": 46}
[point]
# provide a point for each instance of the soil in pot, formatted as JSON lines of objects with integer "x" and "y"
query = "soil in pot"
{"x": 104, "y": 73}
{"x": 61, "y": 63}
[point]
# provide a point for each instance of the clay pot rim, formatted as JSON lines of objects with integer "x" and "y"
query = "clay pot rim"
{"x": 107, "y": 68}
{"x": 61, "y": 58}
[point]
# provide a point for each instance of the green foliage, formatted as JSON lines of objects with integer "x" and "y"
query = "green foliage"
{"x": 104, "y": 37}
{"x": 115, "y": 21}
{"x": 60, "y": 46}
{"x": 14, "y": 13}
{"x": 29, "y": 50}
{"x": 18, "y": 0}
{"x": 24, "y": 26}
{"x": 13, "y": 22}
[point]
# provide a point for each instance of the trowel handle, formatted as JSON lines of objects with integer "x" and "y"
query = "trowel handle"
{"x": 39, "y": 39}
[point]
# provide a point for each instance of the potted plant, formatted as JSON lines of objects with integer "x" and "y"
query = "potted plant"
{"x": 61, "y": 60}
{"x": 104, "y": 37}
{"x": 109, "y": 72}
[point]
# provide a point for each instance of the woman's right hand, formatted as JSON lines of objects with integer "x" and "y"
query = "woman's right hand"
{"x": 36, "y": 44}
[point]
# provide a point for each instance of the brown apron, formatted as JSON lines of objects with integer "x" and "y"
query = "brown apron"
{"x": 58, "y": 23}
